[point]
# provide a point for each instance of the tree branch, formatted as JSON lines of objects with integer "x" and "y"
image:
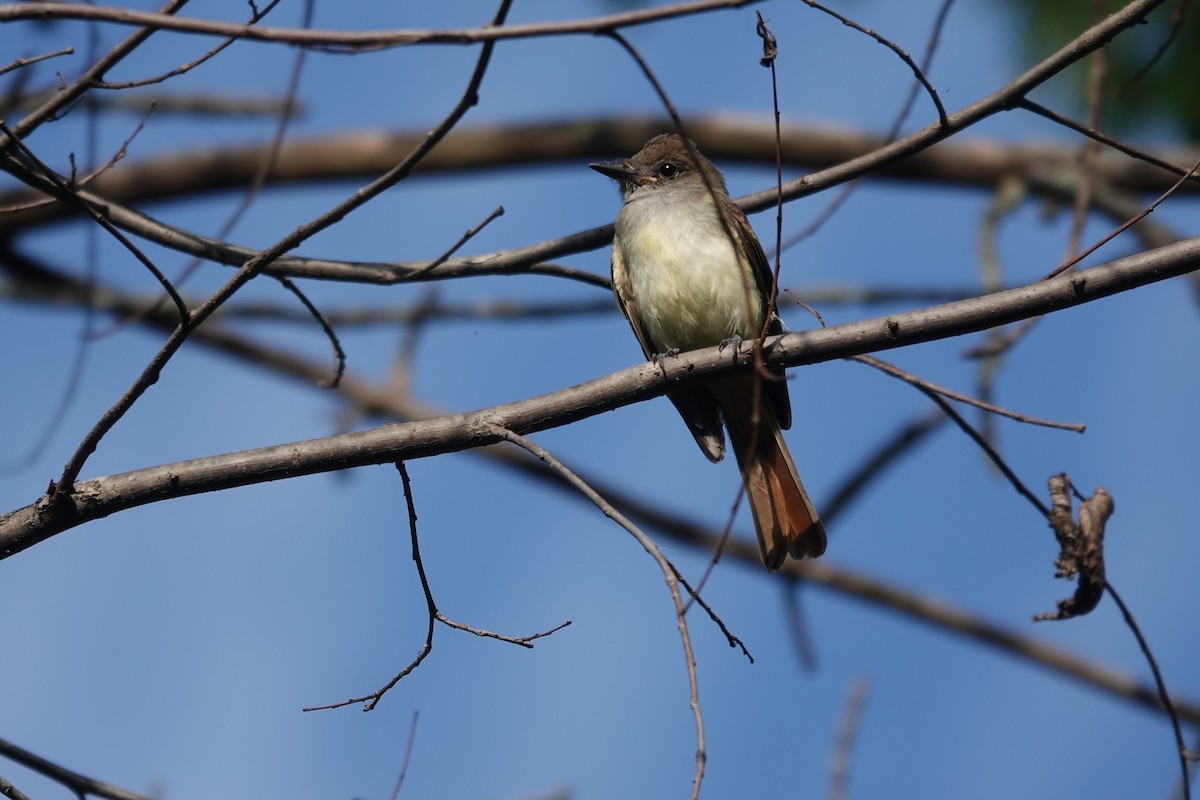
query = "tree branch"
{"x": 100, "y": 497}
{"x": 979, "y": 162}
{"x": 343, "y": 41}
{"x": 881, "y": 158}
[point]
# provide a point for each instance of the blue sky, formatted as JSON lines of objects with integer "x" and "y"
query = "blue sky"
{"x": 170, "y": 649}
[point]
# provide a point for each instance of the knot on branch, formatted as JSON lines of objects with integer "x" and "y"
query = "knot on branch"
{"x": 1081, "y": 546}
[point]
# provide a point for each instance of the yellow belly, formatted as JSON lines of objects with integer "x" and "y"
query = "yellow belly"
{"x": 692, "y": 288}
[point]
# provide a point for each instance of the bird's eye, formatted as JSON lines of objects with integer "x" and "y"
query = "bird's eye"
{"x": 668, "y": 170}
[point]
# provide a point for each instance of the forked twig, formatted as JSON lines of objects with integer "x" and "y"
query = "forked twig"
{"x": 250, "y": 269}
{"x": 68, "y": 194}
{"x": 256, "y": 15}
{"x": 370, "y": 701}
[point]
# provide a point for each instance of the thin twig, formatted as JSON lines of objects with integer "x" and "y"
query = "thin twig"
{"x": 694, "y": 597}
{"x": 1071, "y": 262}
{"x": 770, "y": 313}
{"x": 670, "y": 575}
{"x": 770, "y": 51}
{"x": 263, "y": 171}
{"x": 1097, "y": 69}
{"x": 66, "y": 96}
{"x": 24, "y": 62}
{"x": 797, "y": 623}
{"x": 408, "y": 749}
{"x": 908, "y": 377}
{"x": 257, "y": 264}
{"x": 520, "y": 641}
{"x": 1007, "y": 196}
{"x": 369, "y": 701}
{"x": 917, "y": 72}
{"x": 498, "y": 211}
{"x": 399, "y": 378}
{"x": 714, "y": 556}
{"x": 843, "y": 746}
{"x": 1159, "y": 684}
{"x": 1177, "y": 17}
{"x": 987, "y": 448}
{"x": 87, "y": 298}
{"x": 339, "y": 355}
{"x": 71, "y": 195}
{"x": 905, "y": 109}
{"x": 1105, "y": 139}
{"x": 76, "y": 183}
{"x": 257, "y": 15}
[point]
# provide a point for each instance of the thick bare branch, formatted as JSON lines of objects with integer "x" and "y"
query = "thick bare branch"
{"x": 883, "y": 157}
{"x": 871, "y": 590}
{"x": 101, "y": 497}
{"x": 976, "y": 162}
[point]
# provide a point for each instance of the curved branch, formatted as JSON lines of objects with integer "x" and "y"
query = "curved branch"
{"x": 352, "y": 155}
{"x": 258, "y": 263}
{"x": 100, "y": 497}
{"x": 948, "y": 618}
{"x": 356, "y": 40}
{"x": 522, "y": 258}
{"x": 1005, "y": 99}
{"x": 940, "y": 615}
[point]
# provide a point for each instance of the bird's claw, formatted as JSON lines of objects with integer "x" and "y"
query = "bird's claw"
{"x": 660, "y": 358}
{"x": 734, "y": 341}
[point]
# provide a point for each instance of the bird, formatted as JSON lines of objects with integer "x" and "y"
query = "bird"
{"x": 688, "y": 272}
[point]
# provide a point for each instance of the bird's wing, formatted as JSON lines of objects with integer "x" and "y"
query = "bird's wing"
{"x": 776, "y": 390}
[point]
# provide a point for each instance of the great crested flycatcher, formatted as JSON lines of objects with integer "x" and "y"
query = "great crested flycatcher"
{"x": 688, "y": 272}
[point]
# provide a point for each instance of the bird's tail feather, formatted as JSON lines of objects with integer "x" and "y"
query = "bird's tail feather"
{"x": 784, "y": 518}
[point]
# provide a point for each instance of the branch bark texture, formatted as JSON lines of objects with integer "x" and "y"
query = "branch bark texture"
{"x": 100, "y": 497}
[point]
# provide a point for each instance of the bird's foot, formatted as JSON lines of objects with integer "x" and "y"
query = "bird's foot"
{"x": 660, "y": 358}
{"x": 734, "y": 341}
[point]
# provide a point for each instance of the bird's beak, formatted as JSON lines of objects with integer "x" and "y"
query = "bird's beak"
{"x": 617, "y": 170}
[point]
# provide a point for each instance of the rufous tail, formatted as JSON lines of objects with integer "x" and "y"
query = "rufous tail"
{"x": 784, "y": 518}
